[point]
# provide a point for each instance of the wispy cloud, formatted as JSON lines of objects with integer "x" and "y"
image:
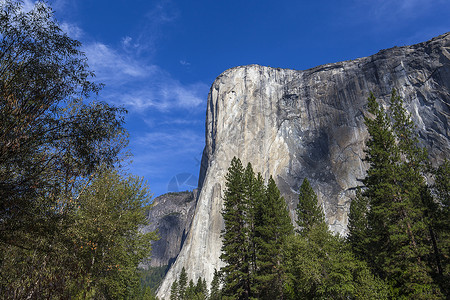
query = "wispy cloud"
{"x": 165, "y": 113}
{"x": 170, "y": 140}
{"x": 393, "y": 10}
{"x": 28, "y": 5}
{"x": 132, "y": 82}
{"x": 154, "y": 149}
{"x": 72, "y": 30}
{"x": 113, "y": 67}
{"x": 152, "y": 28}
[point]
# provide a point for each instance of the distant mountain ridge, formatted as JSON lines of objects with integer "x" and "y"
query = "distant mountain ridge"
{"x": 295, "y": 124}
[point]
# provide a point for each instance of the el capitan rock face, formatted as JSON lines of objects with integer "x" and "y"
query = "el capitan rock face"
{"x": 295, "y": 124}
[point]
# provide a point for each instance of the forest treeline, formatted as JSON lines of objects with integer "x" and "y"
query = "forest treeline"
{"x": 398, "y": 241}
{"x": 69, "y": 215}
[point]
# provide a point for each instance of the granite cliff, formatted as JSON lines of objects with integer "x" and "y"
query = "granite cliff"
{"x": 295, "y": 124}
{"x": 172, "y": 216}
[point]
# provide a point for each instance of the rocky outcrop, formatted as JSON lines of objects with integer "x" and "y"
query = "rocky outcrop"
{"x": 296, "y": 124}
{"x": 172, "y": 216}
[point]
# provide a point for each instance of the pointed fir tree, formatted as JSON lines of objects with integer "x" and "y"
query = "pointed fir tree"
{"x": 272, "y": 228}
{"x": 174, "y": 291}
{"x": 182, "y": 284}
{"x": 215, "y": 287}
{"x": 235, "y": 234}
{"x": 320, "y": 265}
{"x": 251, "y": 193}
{"x": 201, "y": 289}
{"x": 396, "y": 239}
{"x": 309, "y": 213}
{"x": 441, "y": 223}
{"x": 358, "y": 225}
{"x": 190, "y": 292}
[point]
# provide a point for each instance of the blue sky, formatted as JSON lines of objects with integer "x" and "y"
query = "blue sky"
{"x": 159, "y": 58}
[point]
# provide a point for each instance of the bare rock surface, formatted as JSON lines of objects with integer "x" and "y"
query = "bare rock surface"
{"x": 295, "y": 124}
{"x": 172, "y": 216}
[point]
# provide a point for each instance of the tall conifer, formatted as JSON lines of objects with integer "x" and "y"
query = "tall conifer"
{"x": 441, "y": 223}
{"x": 358, "y": 225}
{"x": 182, "y": 284}
{"x": 396, "y": 238}
{"x": 215, "y": 293}
{"x": 235, "y": 234}
{"x": 272, "y": 227}
{"x": 308, "y": 211}
{"x": 319, "y": 264}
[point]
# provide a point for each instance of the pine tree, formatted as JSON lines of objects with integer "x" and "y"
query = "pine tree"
{"x": 396, "y": 240}
{"x": 174, "y": 291}
{"x": 235, "y": 234}
{"x": 190, "y": 292}
{"x": 201, "y": 289}
{"x": 215, "y": 287}
{"x": 272, "y": 227}
{"x": 182, "y": 284}
{"x": 308, "y": 211}
{"x": 441, "y": 224}
{"x": 319, "y": 265}
{"x": 358, "y": 225}
{"x": 250, "y": 194}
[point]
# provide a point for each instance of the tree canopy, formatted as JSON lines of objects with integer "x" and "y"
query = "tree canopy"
{"x": 69, "y": 220}
{"x": 392, "y": 218}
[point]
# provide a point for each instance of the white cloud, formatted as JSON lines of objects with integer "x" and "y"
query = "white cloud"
{"x": 163, "y": 13}
{"x": 171, "y": 140}
{"x": 28, "y": 5}
{"x": 126, "y": 41}
{"x": 138, "y": 85}
{"x": 392, "y": 10}
{"x": 72, "y": 30}
{"x": 59, "y": 5}
{"x": 152, "y": 149}
{"x": 166, "y": 95}
{"x": 112, "y": 67}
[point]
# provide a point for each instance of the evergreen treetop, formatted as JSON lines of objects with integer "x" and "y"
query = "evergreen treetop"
{"x": 389, "y": 223}
{"x": 308, "y": 212}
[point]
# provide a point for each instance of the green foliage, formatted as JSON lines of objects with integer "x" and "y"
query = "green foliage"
{"x": 68, "y": 224}
{"x": 107, "y": 237}
{"x": 308, "y": 212}
{"x": 441, "y": 224}
{"x": 256, "y": 225}
{"x": 319, "y": 265}
{"x": 390, "y": 220}
{"x": 272, "y": 227}
{"x": 358, "y": 224}
{"x": 182, "y": 284}
{"x": 181, "y": 290}
{"x": 148, "y": 294}
{"x": 50, "y": 140}
{"x": 216, "y": 293}
{"x": 94, "y": 255}
{"x": 235, "y": 248}
{"x": 190, "y": 290}
{"x": 174, "y": 290}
